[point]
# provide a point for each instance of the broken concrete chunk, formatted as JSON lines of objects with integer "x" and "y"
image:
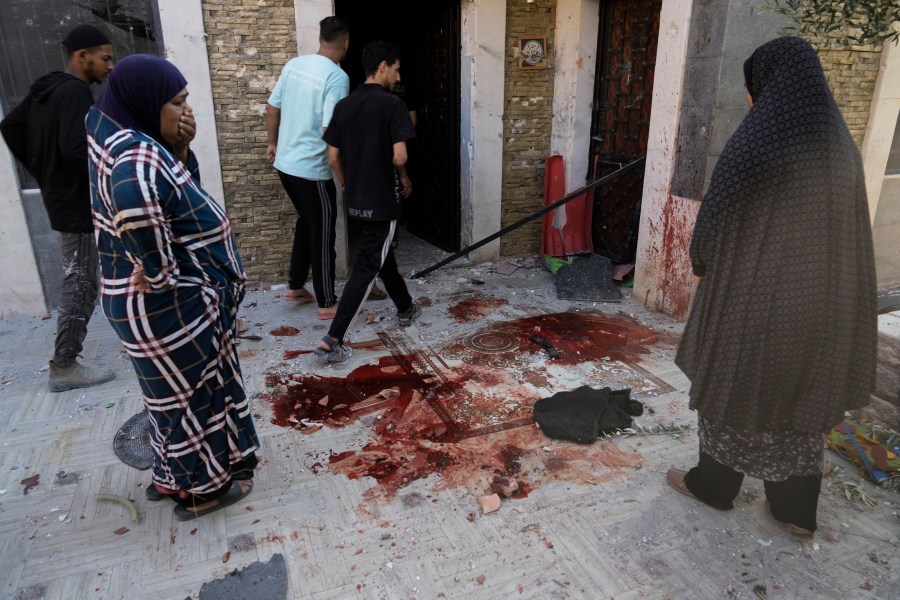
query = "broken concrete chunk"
{"x": 436, "y": 431}
{"x": 489, "y": 503}
{"x": 504, "y": 486}
{"x": 507, "y": 268}
{"x": 388, "y": 394}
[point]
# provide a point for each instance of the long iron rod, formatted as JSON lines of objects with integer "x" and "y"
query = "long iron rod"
{"x": 580, "y": 191}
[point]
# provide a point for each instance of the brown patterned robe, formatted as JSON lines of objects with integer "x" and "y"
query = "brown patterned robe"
{"x": 782, "y": 333}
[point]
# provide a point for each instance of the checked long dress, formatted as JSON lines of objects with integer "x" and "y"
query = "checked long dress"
{"x": 150, "y": 211}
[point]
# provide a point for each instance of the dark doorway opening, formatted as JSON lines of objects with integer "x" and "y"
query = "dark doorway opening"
{"x": 428, "y": 34}
{"x": 626, "y": 60}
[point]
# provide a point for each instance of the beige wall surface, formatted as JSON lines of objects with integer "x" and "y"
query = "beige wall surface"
{"x": 658, "y": 261}
{"x": 20, "y": 284}
{"x": 574, "y": 66}
{"x": 886, "y": 235}
{"x": 482, "y": 66}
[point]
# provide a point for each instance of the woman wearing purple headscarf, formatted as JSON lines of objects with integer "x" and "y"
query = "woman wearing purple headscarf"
{"x": 171, "y": 285}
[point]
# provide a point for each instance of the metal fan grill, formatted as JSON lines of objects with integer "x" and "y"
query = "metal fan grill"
{"x": 132, "y": 442}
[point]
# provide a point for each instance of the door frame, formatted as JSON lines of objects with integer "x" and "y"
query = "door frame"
{"x": 482, "y": 52}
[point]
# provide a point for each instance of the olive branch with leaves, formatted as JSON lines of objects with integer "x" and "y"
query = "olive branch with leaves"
{"x": 845, "y": 22}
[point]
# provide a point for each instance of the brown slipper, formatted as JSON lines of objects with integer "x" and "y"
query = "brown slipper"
{"x": 328, "y": 313}
{"x": 675, "y": 478}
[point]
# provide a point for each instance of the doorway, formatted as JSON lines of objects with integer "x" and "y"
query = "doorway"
{"x": 620, "y": 127}
{"x": 428, "y": 34}
{"x": 30, "y": 35}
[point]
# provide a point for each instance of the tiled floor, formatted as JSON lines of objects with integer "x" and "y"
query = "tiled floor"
{"x": 596, "y": 522}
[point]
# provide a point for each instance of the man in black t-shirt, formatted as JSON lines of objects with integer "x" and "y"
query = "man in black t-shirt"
{"x": 367, "y": 152}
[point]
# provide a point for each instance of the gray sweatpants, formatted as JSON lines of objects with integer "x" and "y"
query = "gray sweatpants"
{"x": 78, "y": 295}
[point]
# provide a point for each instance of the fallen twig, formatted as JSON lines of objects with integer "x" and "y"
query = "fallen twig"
{"x": 676, "y": 431}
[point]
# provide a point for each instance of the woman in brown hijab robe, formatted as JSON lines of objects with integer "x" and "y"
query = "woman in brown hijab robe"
{"x": 781, "y": 339}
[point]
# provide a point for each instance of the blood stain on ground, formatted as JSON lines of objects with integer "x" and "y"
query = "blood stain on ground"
{"x": 536, "y": 377}
{"x": 284, "y": 331}
{"x": 367, "y": 344}
{"x": 476, "y": 307}
{"x": 271, "y": 538}
{"x": 338, "y": 400}
{"x": 242, "y": 542}
{"x": 578, "y": 337}
{"x": 459, "y": 436}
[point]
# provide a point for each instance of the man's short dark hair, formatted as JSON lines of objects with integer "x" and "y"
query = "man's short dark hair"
{"x": 376, "y": 52}
{"x": 333, "y": 29}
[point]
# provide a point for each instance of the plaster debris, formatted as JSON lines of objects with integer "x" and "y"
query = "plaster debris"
{"x": 489, "y": 503}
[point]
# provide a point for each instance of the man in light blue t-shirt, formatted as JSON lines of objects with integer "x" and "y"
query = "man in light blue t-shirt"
{"x": 297, "y": 115}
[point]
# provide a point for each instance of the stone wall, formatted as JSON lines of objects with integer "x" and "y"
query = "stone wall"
{"x": 248, "y": 42}
{"x": 851, "y": 74}
{"x": 527, "y": 124}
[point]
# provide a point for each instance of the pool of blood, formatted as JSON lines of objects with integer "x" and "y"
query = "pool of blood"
{"x": 411, "y": 440}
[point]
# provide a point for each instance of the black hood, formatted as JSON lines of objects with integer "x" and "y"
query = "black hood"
{"x": 43, "y": 86}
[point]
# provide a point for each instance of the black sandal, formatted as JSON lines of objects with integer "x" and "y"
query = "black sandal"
{"x": 405, "y": 318}
{"x": 154, "y": 495}
{"x": 336, "y": 352}
{"x": 235, "y": 494}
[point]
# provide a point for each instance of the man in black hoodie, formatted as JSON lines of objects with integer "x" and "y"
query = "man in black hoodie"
{"x": 46, "y": 133}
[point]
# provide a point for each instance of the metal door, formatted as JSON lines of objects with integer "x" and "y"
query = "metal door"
{"x": 626, "y": 58}
{"x": 434, "y": 212}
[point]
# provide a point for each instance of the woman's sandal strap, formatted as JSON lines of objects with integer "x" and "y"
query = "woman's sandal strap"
{"x": 232, "y": 496}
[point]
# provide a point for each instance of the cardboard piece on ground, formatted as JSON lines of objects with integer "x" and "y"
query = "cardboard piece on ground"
{"x": 256, "y": 580}
{"x": 588, "y": 278}
{"x": 507, "y": 268}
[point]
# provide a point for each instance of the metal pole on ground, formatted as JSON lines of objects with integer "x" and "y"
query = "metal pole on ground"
{"x": 582, "y": 190}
